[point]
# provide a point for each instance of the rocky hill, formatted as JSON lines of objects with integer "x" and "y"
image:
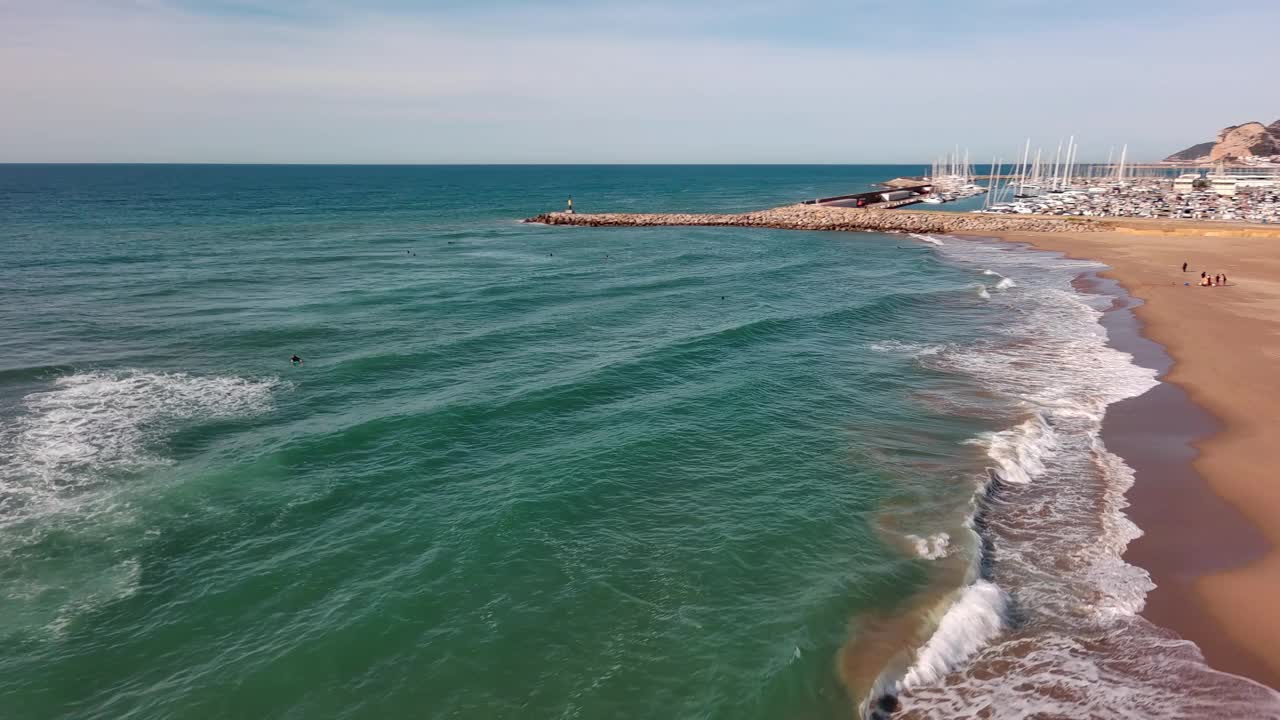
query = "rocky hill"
{"x": 1237, "y": 142}
{"x": 1195, "y": 153}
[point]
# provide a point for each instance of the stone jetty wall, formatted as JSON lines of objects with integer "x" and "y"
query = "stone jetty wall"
{"x": 818, "y": 217}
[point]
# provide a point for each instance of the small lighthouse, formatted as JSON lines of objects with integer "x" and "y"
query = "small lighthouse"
{"x": 569, "y": 208}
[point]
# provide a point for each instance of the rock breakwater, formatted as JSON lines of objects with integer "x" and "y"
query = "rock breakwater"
{"x": 818, "y": 217}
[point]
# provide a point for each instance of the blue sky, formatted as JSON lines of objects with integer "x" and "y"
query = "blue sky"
{"x": 662, "y": 81}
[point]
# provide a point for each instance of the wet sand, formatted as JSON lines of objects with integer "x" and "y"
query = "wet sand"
{"x": 1202, "y": 444}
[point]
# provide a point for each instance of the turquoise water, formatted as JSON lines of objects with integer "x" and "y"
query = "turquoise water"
{"x": 523, "y": 471}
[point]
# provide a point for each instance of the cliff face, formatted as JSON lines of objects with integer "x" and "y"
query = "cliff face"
{"x": 1234, "y": 143}
{"x": 1242, "y": 141}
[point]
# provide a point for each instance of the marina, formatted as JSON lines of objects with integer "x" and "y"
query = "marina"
{"x": 1057, "y": 183}
{"x": 1118, "y": 188}
{"x": 1078, "y": 196}
{"x": 1221, "y": 195}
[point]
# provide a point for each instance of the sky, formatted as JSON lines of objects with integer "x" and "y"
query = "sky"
{"x": 653, "y": 81}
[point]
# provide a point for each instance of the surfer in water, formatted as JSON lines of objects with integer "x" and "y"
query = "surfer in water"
{"x": 296, "y": 360}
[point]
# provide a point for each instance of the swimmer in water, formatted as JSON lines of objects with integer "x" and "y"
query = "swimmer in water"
{"x": 296, "y": 360}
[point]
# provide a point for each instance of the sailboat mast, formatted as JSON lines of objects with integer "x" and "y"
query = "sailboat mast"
{"x": 991, "y": 184}
{"x": 1071, "y": 150}
{"x": 1022, "y": 174}
{"x": 1057, "y": 160}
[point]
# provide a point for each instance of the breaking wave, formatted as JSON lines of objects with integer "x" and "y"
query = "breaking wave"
{"x": 1050, "y": 527}
{"x": 926, "y": 238}
{"x": 1020, "y": 452}
{"x": 972, "y": 620}
{"x": 1004, "y": 283}
{"x": 92, "y": 423}
{"x": 63, "y": 458}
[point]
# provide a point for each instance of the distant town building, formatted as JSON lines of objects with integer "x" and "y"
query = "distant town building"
{"x": 1224, "y": 185}
{"x": 1185, "y": 183}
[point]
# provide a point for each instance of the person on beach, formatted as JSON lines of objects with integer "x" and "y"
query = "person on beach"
{"x": 296, "y": 360}
{"x": 1184, "y": 267}
{"x": 1224, "y": 278}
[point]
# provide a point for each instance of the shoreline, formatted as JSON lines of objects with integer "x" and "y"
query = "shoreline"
{"x": 1156, "y": 433}
{"x": 1201, "y": 494}
{"x": 1199, "y": 443}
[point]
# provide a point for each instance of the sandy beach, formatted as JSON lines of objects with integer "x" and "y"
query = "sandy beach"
{"x": 1216, "y": 562}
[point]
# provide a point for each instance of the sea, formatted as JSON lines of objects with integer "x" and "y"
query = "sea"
{"x": 554, "y": 472}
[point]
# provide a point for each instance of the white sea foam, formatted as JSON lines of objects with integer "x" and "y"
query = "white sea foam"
{"x": 913, "y": 349}
{"x": 96, "y": 422}
{"x": 1058, "y": 529}
{"x": 971, "y": 621}
{"x": 1020, "y": 452}
{"x": 926, "y": 238}
{"x": 62, "y": 459}
{"x": 1005, "y": 283}
{"x": 1057, "y": 675}
{"x": 964, "y": 622}
{"x": 982, "y": 292}
{"x": 933, "y": 547}
{"x": 1126, "y": 586}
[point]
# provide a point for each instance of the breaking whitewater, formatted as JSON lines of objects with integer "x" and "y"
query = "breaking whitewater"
{"x": 1035, "y": 612}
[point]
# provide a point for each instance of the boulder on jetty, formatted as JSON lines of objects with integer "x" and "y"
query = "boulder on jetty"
{"x": 821, "y": 217}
